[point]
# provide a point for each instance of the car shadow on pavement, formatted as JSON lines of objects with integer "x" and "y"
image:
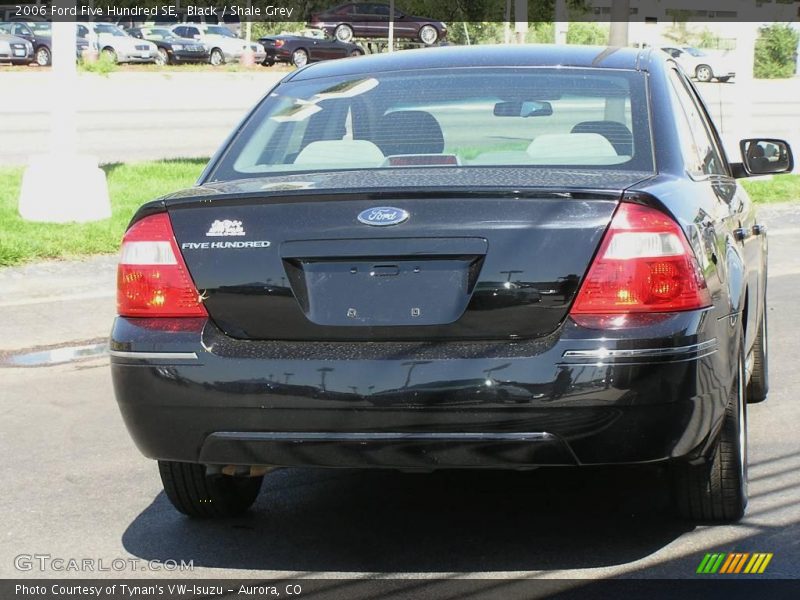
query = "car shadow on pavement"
{"x": 386, "y": 521}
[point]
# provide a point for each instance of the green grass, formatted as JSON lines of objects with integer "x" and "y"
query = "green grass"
{"x": 129, "y": 186}
{"x": 781, "y": 188}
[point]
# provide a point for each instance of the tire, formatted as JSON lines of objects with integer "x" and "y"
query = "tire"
{"x": 758, "y": 387}
{"x": 162, "y": 57}
{"x": 716, "y": 489}
{"x": 216, "y": 57}
{"x": 723, "y": 79}
{"x": 42, "y": 56}
{"x": 299, "y": 58}
{"x": 110, "y": 53}
{"x": 428, "y": 35}
{"x": 343, "y": 33}
{"x": 704, "y": 73}
{"x": 356, "y": 53}
{"x": 198, "y": 495}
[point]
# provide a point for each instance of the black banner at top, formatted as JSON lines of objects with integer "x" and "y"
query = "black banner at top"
{"x": 378, "y": 11}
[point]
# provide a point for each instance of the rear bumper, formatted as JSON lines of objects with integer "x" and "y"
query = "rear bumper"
{"x": 576, "y": 398}
{"x": 274, "y": 55}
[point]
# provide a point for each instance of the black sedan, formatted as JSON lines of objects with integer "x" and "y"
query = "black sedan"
{"x": 311, "y": 45}
{"x": 371, "y": 20}
{"x": 171, "y": 48}
{"x": 454, "y": 258}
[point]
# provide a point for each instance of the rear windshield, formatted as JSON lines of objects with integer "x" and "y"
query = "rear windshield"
{"x": 522, "y": 117}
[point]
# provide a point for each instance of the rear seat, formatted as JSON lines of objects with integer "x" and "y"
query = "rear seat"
{"x": 340, "y": 153}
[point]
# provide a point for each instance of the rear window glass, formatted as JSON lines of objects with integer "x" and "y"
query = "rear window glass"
{"x": 525, "y": 117}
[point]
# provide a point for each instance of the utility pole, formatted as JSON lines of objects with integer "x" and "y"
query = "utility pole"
{"x": 248, "y": 28}
{"x": 618, "y": 30}
{"x": 521, "y": 20}
{"x": 391, "y": 26}
{"x": 62, "y": 186}
{"x": 561, "y": 22}
{"x": 507, "y": 23}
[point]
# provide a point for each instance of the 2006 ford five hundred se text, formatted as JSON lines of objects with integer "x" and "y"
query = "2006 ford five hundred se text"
{"x": 486, "y": 257}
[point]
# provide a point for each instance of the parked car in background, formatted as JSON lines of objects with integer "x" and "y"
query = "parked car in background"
{"x": 15, "y": 50}
{"x": 171, "y": 48}
{"x": 114, "y": 43}
{"x": 223, "y": 45}
{"x": 371, "y": 20}
{"x": 39, "y": 33}
{"x": 39, "y": 37}
{"x": 703, "y": 65}
{"x": 81, "y": 46}
{"x": 464, "y": 257}
{"x": 232, "y": 22}
{"x": 309, "y": 45}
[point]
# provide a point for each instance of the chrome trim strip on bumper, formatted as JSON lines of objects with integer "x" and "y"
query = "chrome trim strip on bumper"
{"x": 154, "y": 355}
{"x": 707, "y": 347}
{"x": 309, "y": 436}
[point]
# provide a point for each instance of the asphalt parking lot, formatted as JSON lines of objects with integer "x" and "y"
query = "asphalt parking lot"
{"x": 75, "y": 486}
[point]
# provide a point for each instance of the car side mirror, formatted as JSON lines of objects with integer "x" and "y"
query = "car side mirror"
{"x": 765, "y": 157}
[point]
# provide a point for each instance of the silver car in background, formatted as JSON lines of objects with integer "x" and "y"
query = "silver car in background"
{"x": 113, "y": 42}
{"x": 16, "y": 50}
{"x": 223, "y": 45}
{"x": 703, "y": 65}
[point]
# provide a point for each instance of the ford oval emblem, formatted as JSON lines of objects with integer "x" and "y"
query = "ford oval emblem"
{"x": 382, "y": 216}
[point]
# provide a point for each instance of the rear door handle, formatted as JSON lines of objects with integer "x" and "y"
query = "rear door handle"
{"x": 759, "y": 229}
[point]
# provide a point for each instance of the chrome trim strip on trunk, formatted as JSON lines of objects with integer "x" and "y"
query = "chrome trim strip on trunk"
{"x": 604, "y": 353}
{"x": 154, "y": 355}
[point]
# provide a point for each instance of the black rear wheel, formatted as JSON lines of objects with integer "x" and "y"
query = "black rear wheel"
{"x": 716, "y": 489}
{"x": 196, "y": 494}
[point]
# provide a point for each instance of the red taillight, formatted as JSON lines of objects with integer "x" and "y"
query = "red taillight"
{"x": 644, "y": 264}
{"x": 152, "y": 278}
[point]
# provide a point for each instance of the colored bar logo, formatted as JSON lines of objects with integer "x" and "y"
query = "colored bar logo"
{"x": 734, "y": 562}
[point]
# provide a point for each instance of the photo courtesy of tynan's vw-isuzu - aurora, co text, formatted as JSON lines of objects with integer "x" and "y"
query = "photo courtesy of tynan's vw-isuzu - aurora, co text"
{"x": 484, "y": 257}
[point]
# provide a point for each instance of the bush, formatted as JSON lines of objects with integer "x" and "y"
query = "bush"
{"x": 104, "y": 65}
{"x": 776, "y": 52}
{"x": 588, "y": 33}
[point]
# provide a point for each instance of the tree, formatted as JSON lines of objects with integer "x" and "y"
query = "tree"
{"x": 776, "y": 51}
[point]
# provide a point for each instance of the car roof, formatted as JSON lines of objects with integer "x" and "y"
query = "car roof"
{"x": 525, "y": 55}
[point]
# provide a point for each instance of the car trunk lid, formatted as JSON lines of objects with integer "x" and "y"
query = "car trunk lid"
{"x": 463, "y": 265}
